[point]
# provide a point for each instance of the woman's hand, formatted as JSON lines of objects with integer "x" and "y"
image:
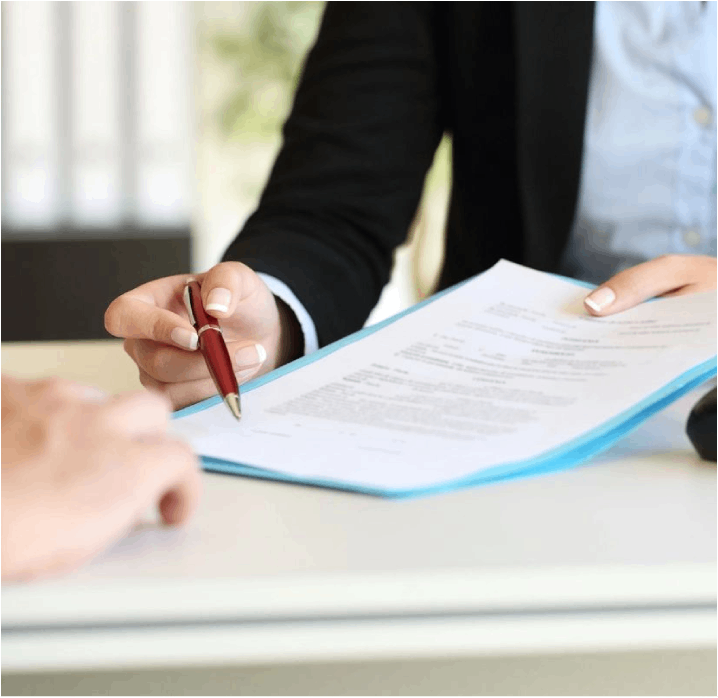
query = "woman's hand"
{"x": 261, "y": 332}
{"x": 669, "y": 275}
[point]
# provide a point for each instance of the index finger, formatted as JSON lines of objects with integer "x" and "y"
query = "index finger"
{"x": 663, "y": 275}
{"x": 134, "y": 316}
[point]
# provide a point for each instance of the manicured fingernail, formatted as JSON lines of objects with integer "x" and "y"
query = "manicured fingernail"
{"x": 187, "y": 339}
{"x": 218, "y": 300}
{"x": 600, "y": 299}
{"x": 250, "y": 356}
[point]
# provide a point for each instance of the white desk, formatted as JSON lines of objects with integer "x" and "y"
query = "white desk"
{"x": 613, "y": 557}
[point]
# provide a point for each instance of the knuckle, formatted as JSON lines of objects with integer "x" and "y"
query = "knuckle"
{"x": 158, "y": 328}
{"x": 136, "y": 414}
{"x": 153, "y": 403}
{"x": 103, "y": 420}
{"x": 157, "y": 362}
{"x": 57, "y": 389}
{"x": 58, "y": 427}
{"x": 227, "y": 270}
{"x": 225, "y": 267}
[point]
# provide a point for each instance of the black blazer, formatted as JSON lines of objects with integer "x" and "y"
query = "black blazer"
{"x": 508, "y": 80}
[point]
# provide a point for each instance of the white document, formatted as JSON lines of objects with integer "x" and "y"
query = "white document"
{"x": 507, "y": 367}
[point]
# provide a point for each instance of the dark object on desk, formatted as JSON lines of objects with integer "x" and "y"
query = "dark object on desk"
{"x": 701, "y": 426}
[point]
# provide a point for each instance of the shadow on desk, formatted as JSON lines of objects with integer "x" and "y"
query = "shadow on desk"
{"x": 691, "y": 672}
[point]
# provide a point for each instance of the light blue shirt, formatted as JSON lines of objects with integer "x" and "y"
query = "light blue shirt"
{"x": 648, "y": 183}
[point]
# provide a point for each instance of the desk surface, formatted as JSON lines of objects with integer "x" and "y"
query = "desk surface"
{"x": 617, "y": 553}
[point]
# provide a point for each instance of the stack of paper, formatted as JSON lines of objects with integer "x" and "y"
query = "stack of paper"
{"x": 502, "y": 376}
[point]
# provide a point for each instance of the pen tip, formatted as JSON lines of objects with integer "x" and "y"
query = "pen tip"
{"x": 232, "y": 401}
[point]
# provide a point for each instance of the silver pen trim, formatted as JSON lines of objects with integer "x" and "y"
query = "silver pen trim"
{"x": 208, "y": 327}
{"x": 188, "y": 305}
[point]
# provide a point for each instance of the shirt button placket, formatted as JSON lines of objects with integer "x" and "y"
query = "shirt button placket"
{"x": 691, "y": 237}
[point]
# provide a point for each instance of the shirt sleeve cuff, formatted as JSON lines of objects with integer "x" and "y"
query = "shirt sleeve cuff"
{"x": 282, "y": 291}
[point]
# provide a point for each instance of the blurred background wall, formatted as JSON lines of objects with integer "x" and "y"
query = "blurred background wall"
{"x": 136, "y": 139}
{"x": 97, "y": 158}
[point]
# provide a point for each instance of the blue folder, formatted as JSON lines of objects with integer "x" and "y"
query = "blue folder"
{"x": 566, "y": 456}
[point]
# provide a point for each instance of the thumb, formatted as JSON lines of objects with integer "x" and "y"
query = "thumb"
{"x": 225, "y": 286}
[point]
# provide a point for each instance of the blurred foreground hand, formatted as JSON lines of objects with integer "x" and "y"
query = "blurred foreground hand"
{"x": 80, "y": 469}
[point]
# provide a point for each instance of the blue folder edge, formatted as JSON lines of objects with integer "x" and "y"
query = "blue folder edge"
{"x": 563, "y": 457}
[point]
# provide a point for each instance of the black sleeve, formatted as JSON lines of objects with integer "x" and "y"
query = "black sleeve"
{"x": 357, "y": 145}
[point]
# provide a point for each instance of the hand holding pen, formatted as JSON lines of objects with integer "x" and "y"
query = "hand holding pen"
{"x": 260, "y": 331}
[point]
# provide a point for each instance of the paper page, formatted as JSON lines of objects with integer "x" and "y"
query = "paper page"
{"x": 504, "y": 368}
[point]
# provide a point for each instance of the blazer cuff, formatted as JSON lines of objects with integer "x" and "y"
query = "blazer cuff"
{"x": 282, "y": 291}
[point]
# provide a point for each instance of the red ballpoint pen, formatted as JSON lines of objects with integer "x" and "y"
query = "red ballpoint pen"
{"x": 213, "y": 348}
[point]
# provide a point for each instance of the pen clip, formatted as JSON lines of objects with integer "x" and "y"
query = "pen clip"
{"x": 187, "y": 295}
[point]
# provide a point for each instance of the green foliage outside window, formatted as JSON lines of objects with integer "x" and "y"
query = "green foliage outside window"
{"x": 266, "y": 56}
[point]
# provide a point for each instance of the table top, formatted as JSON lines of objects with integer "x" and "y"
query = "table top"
{"x": 633, "y": 530}
{"x": 100, "y": 362}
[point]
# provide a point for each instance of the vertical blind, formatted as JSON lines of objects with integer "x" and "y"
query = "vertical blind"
{"x": 96, "y": 117}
